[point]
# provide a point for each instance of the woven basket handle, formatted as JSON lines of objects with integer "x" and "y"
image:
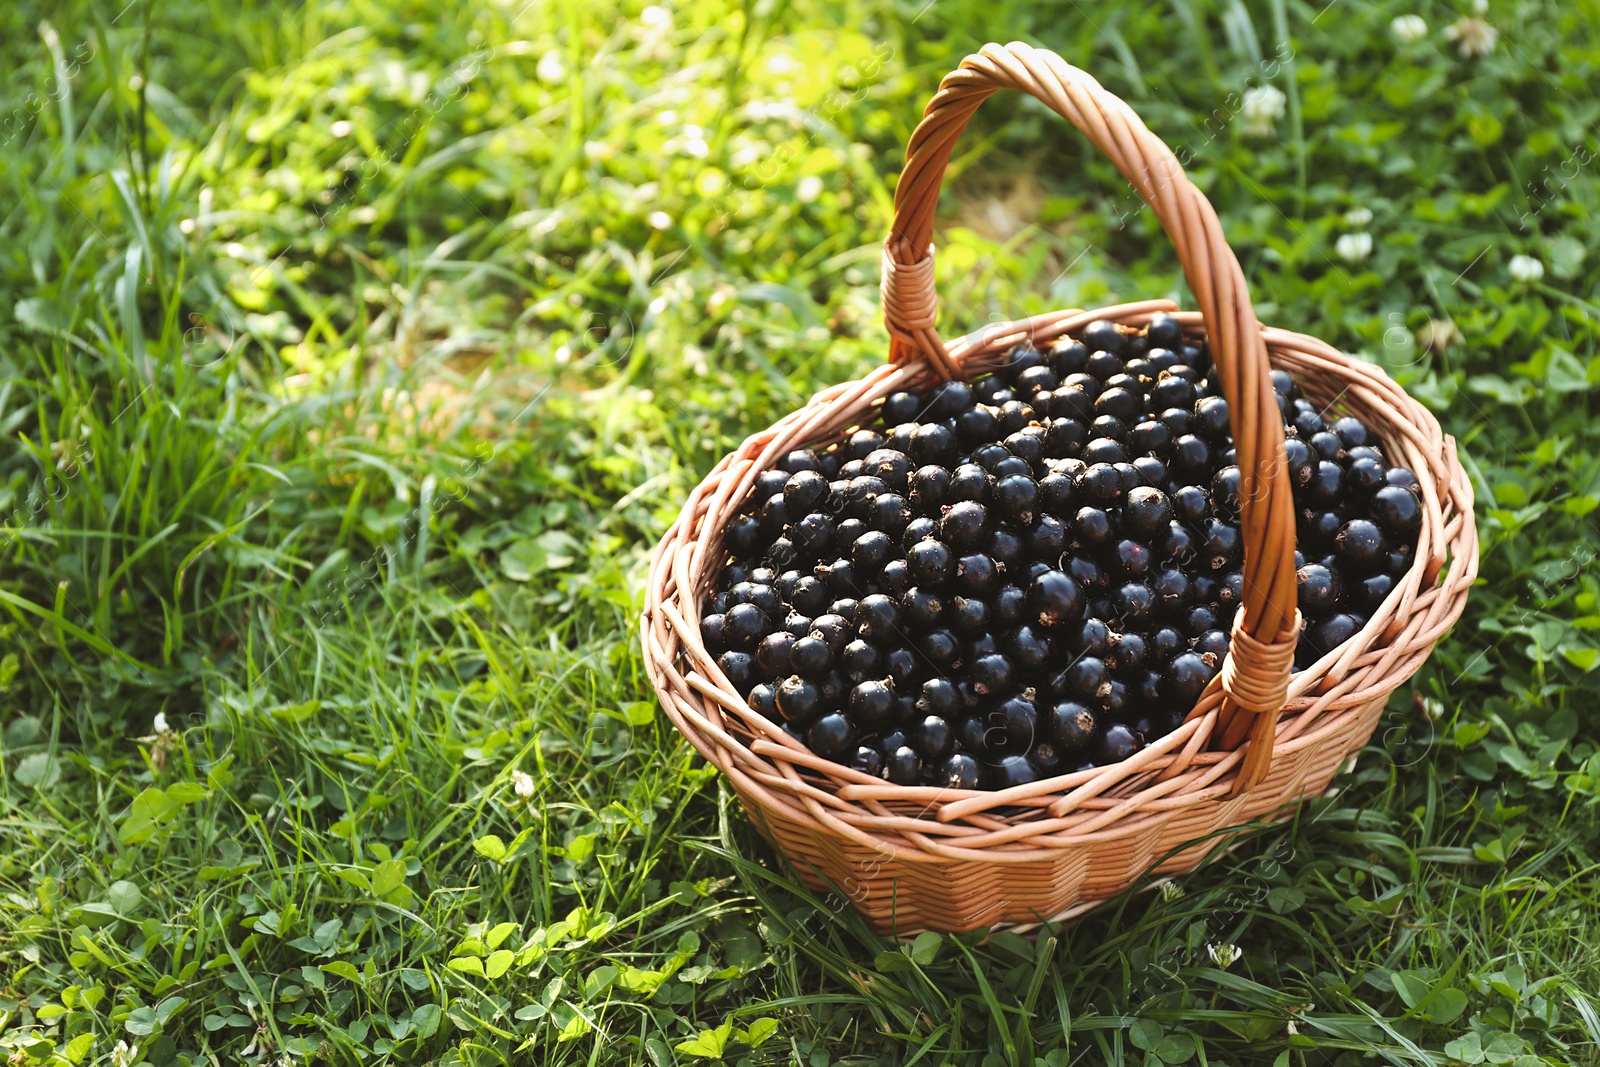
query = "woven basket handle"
{"x": 1255, "y": 676}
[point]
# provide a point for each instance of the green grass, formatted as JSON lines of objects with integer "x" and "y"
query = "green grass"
{"x": 354, "y": 353}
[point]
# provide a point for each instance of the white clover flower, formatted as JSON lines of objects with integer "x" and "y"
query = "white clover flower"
{"x": 552, "y": 69}
{"x": 124, "y": 1054}
{"x": 1439, "y": 334}
{"x": 659, "y": 220}
{"x": 809, "y": 188}
{"x": 1171, "y": 891}
{"x": 1526, "y": 268}
{"x": 1357, "y": 217}
{"x": 522, "y": 784}
{"x": 1223, "y": 955}
{"x": 1353, "y": 247}
{"x": 1472, "y": 36}
{"x": 1262, "y": 107}
{"x": 159, "y": 723}
{"x": 1408, "y": 29}
{"x": 656, "y": 17}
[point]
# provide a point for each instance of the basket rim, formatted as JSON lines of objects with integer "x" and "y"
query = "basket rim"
{"x": 1174, "y": 774}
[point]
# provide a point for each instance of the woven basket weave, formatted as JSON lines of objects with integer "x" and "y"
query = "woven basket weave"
{"x": 1259, "y": 739}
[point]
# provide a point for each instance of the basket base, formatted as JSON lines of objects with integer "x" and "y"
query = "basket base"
{"x": 900, "y": 896}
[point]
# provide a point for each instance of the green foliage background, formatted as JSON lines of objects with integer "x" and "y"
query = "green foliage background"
{"x": 354, "y": 353}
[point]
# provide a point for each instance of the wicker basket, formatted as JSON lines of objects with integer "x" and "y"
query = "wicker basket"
{"x": 1259, "y": 740}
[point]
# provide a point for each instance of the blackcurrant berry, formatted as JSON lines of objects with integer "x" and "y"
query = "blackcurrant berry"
{"x": 1100, "y": 485}
{"x": 901, "y": 407}
{"x": 1370, "y": 593}
{"x": 1166, "y": 643}
{"x": 1134, "y": 603}
{"x": 1104, "y": 450}
{"x": 1403, "y": 478}
{"x": 1017, "y": 720}
{"x": 1129, "y": 652}
{"x": 873, "y": 705}
{"x": 948, "y": 399}
{"x": 1211, "y": 418}
{"x": 861, "y": 660}
{"x": 1364, "y": 476}
{"x": 959, "y": 771}
{"x": 903, "y": 766}
{"x": 1328, "y": 634}
{"x": 976, "y": 576}
{"x": 745, "y": 625}
{"x": 1008, "y": 551}
{"x": 1082, "y": 679}
{"x": 1088, "y": 574}
{"x": 940, "y": 647}
{"x": 1146, "y": 511}
{"x": 933, "y": 738}
{"x": 772, "y": 654}
{"x": 1015, "y": 498}
{"x": 1225, "y": 491}
{"x": 964, "y": 525}
{"x": 895, "y": 578}
{"x": 1069, "y": 356}
{"x": 1150, "y": 438}
{"x": 743, "y": 536}
{"x": 877, "y": 618}
{"x": 1397, "y": 510}
{"x": 1047, "y": 538}
{"x": 1009, "y": 606}
{"x": 1184, "y": 679}
{"x": 1164, "y": 330}
{"x": 977, "y": 424}
{"x": 992, "y": 675}
{"x": 890, "y": 513}
{"x": 811, "y": 657}
{"x": 1072, "y": 404}
{"x": 1029, "y": 649}
{"x": 1298, "y": 458}
{"x": 868, "y": 761}
{"x": 1213, "y": 643}
{"x": 1360, "y": 546}
{"x": 802, "y": 459}
{"x": 1010, "y": 771}
{"x": 969, "y": 615}
{"x": 1091, "y": 527}
{"x": 764, "y": 699}
{"x": 930, "y": 563}
{"x": 1054, "y": 599}
{"x": 831, "y": 736}
{"x": 1116, "y": 744}
{"x": 1171, "y": 391}
{"x": 871, "y": 551}
{"x": 1172, "y": 590}
{"x": 798, "y": 699}
{"x": 1191, "y": 457}
{"x": 930, "y": 489}
{"x": 1103, "y": 336}
{"x": 1222, "y": 546}
{"x": 835, "y": 631}
{"x": 714, "y": 632}
{"x": 889, "y": 465}
{"x": 1072, "y": 725}
{"x": 1351, "y": 431}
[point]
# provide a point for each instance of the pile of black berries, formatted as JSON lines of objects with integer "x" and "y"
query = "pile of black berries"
{"x": 1035, "y": 572}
